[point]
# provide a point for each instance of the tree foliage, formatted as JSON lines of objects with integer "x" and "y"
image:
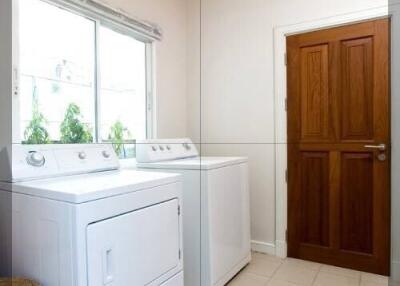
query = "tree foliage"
{"x": 36, "y": 132}
{"x": 118, "y": 134}
{"x": 73, "y": 130}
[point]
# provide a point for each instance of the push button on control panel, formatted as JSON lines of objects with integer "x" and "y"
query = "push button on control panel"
{"x": 186, "y": 146}
{"x": 156, "y": 150}
{"x": 82, "y": 155}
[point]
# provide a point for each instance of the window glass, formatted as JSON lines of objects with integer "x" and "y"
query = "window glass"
{"x": 76, "y": 88}
{"x": 123, "y": 89}
{"x": 57, "y": 74}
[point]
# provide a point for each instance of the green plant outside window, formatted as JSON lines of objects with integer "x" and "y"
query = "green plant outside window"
{"x": 73, "y": 130}
{"x": 118, "y": 136}
{"x": 36, "y": 132}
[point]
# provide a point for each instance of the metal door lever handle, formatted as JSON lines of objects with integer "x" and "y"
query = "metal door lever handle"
{"x": 380, "y": 147}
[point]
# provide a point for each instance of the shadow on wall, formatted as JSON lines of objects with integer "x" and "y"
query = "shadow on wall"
{"x": 6, "y": 215}
{"x": 394, "y": 10}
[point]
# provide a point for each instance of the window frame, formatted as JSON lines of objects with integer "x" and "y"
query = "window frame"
{"x": 98, "y": 22}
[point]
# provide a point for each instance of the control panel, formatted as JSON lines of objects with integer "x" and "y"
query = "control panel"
{"x": 42, "y": 161}
{"x": 156, "y": 150}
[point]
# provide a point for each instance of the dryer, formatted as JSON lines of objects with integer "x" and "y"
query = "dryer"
{"x": 216, "y": 214}
{"x": 78, "y": 220}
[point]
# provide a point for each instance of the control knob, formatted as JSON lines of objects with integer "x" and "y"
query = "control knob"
{"x": 35, "y": 159}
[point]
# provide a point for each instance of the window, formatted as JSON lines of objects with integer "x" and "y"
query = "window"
{"x": 80, "y": 81}
{"x": 123, "y": 86}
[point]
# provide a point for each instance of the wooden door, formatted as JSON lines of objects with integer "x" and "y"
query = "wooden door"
{"x": 338, "y": 115}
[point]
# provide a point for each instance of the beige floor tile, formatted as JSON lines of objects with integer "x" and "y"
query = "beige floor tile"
{"x": 275, "y": 282}
{"x": 247, "y": 279}
{"x": 302, "y": 263}
{"x": 340, "y": 271}
{"x": 372, "y": 283}
{"x": 262, "y": 267}
{"x": 368, "y": 279}
{"x": 295, "y": 272}
{"x": 329, "y": 279}
{"x": 258, "y": 255}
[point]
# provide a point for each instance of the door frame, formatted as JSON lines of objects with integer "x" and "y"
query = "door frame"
{"x": 280, "y": 93}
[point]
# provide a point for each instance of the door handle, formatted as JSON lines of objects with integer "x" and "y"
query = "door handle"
{"x": 108, "y": 266}
{"x": 380, "y": 147}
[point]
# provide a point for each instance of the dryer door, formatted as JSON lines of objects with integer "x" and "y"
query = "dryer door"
{"x": 137, "y": 248}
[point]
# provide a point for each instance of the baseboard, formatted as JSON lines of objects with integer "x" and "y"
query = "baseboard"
{"x": 395, "y": 271}
{"x": 263, "y": 247}
{"x": 281, "y": 248}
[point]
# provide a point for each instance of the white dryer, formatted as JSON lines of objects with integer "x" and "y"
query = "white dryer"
{"x": 216, "y": 215}
{"x": 77, "y": 220}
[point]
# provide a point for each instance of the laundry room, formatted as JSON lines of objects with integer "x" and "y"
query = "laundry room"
{"x": 199, "y": 142}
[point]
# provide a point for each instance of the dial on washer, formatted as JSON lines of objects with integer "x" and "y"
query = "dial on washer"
{"x": 35, "y": 159}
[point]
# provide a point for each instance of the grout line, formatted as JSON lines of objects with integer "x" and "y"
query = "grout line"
{"x": 316, "y": 274}
{"x": 281, "y": 262}
{"x": 243, "y": 273}
{"x": 315, "y": 277}
{"x": 276, "y": 270}
{"x": 269, "y": 280}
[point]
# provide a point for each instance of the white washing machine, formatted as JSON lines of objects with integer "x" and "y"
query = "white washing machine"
{"x": 216, "y": 215}
{"x": 77, "y": 220}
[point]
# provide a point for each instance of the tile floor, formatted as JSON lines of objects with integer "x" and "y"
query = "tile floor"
{"x": 266, "y": 270}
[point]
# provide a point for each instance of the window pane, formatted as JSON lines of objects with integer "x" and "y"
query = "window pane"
{"x": 57, "y": 69}
{"x": 123, "y": 88}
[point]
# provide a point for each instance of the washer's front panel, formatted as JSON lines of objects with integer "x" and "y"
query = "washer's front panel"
{"x": 227, "y": 208}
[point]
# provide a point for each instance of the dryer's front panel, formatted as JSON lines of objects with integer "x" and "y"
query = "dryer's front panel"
{"x": 135, "y": 249}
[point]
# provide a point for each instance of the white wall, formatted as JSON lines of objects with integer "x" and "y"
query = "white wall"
{"x": 170, "y": 60}
{"x": 193, "y": 70}
{"x": 238, "y": 91}
{"x": 237, "y": 102}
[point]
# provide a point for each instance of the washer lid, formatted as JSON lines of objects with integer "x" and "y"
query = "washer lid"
{"x": 198, "y": 163}
{"x": 83, "y": 188}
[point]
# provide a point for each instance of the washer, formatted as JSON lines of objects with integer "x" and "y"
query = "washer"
{"x": 216, "y": 216}
{"x": 78, "y": 220}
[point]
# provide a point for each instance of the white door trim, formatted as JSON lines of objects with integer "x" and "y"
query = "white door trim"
{"x": 280, "y": 33}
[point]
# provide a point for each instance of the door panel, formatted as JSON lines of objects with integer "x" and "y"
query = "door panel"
{"x": 314, "y": 93}
{"x": 356, "y": 207}
{"x": 338, "y": 114}
{"x": 315, "y": 198}
{"x": 357, "y": 89}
